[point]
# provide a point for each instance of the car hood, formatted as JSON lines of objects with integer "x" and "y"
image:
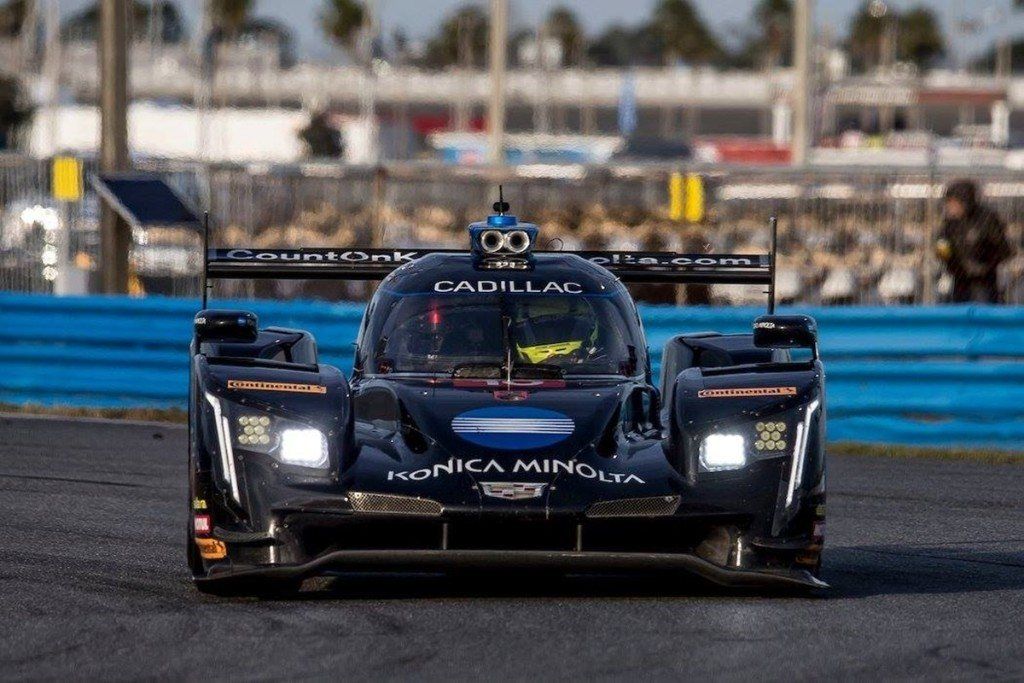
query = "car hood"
{"x": 481, "y": 421}
{"x": 552, "y": 445}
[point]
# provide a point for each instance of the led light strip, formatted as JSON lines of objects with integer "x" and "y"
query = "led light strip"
{"x": 800, "y": 450}
{"x": 227, "y": 456}
{"x": 511, "y": 422}
{"x": 471, "y": 429}
{"x": 512, "y": 426}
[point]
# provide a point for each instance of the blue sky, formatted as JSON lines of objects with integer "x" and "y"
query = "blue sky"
{"x": 420, "y": 17}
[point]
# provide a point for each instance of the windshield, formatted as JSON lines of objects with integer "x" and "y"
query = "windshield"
{"x": 494, "y": 335}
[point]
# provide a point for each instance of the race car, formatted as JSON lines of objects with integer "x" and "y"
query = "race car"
{"x": 501, "y": 413}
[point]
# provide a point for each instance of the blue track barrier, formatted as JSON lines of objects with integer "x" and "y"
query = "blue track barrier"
{"x": 932, "y": 376}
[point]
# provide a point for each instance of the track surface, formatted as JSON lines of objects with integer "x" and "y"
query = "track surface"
{"x": 926, "y": 559}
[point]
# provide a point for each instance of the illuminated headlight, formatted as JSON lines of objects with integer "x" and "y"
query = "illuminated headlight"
{"x": 287, "y": 441}
{"x": 254, "y": 430}
{"x": 305, "y": 447}
{"x": 719, "y": 452}
{"x": 770, "y": 437}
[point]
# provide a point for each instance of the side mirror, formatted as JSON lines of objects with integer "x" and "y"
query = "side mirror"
{"x": 786, "y": 332}
{"x": 240, "y": 327}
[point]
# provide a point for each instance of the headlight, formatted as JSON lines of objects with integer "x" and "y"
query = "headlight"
{"x": 254, "y": 430}
{"x": 719, "y": 452}
{"x": 741, "y": 444}
{"x": 306, "y": 447}
{"x": 287, "y": 441}
{"x": 770, "y": 436}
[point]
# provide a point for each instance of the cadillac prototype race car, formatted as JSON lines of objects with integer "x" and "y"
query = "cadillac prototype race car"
{"x": 501, "y": 413}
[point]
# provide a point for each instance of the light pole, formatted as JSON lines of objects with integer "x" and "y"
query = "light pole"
{"x": 499, "y": 56}
{"x": 368, "y": 95}
{"x": 115, "y": 235}
{"x": 803, "y": 20}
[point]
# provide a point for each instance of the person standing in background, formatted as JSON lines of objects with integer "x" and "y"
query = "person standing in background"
{"x": 972, "y": 243}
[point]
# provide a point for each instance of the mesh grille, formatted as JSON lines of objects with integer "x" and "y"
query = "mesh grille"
{"x": 658, "y": 506}
{"x": 384, "y": 504}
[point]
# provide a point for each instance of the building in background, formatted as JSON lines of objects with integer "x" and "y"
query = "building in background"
{"x": 889, "y": 88}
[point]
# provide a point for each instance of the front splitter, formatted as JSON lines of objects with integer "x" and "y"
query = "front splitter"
{"x": 441, "y": 560}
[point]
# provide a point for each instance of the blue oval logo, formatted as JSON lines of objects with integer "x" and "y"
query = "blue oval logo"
{"x": 513, "y": 428}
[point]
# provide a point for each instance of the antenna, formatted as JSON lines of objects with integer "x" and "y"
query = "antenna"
{"x": 206, "y": 257}
{"x": 501, "y": 206}
{"x": 773, "y": 223}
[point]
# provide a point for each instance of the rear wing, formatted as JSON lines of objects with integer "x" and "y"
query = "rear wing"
{"x": 375, "y": 264}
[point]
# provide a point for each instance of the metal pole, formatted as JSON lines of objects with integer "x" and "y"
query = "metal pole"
{"x": 930, "y": 266}
{"x": 465, "y": 65}
{"x": 203, "y": 91}
{"x": 28, "y": 36}
{"x": 773, "y": 255}
{"x": 803, "y": 19}
{"x": 368, "y": 96}
{"x": 51, "y": 75}
{"x": 499, "y": 55}
{"x": 1004, "y": 58}
{"x": 115, "y": 236}
{"x": 542, "y": 103}
{"x": 205, "y": 278}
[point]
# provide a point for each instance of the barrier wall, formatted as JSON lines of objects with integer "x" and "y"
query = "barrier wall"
{"x": 933, "y": 376}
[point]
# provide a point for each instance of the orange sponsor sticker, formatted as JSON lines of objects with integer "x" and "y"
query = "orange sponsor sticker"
{"x": 211, "y": 548}
{"x": 253, "y": 385}
{"x": 748, "y": 392}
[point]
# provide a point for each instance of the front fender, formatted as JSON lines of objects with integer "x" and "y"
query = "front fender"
{"x": 736, "y": 403}
{"x": 238, "y": 477}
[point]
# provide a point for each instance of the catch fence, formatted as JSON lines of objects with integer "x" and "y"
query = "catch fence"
{"x": 847, "y": 237}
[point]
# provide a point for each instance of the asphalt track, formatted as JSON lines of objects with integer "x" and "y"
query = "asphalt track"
{"x": 926, "y": 559}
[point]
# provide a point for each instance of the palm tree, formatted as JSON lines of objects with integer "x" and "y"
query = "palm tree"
{"x": 775, "y": 21}
{"x": 562, "y": 25}
{"x": 14, "y": 110}
{"x": 462, "y": 40}
{"x": 144, "y": 18}
{"x": 686, "y": 35}
{"x": 916, "y": 33}
{"x": 342, "y": 21}
{"x": 921, "y": 40}
{"x": 229, "y": 16}
{"x": 348, "y": 24}
{"x": 622, "y": 46}
{"x": 12, "y": 17}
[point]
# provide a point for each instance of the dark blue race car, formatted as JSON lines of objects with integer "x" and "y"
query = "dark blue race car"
{"x": 502, "y": 413}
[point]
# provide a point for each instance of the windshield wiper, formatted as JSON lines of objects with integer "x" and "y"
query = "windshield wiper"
{"x": 538, "y": 371}
{"x": 497, "y": 370}
{"x": 493, "y": 370}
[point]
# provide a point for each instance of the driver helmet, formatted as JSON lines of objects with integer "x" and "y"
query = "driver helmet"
{"x": 546, "y": 328}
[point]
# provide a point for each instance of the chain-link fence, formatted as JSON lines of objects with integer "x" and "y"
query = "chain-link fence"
{"x": 845, "y": 237}
{"x": 32, "y": 234}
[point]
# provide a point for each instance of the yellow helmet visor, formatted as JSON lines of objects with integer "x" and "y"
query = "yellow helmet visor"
{"x": 542, "y": 352}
